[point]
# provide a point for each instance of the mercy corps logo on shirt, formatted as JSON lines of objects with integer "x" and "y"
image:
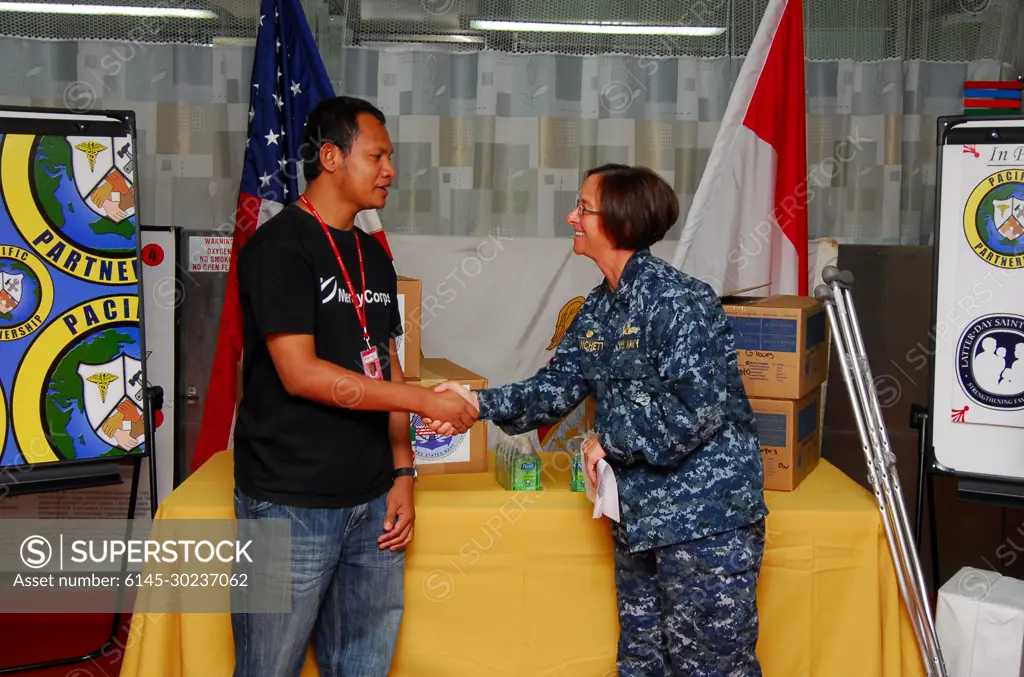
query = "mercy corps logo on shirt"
{"x": 330, "y": 290}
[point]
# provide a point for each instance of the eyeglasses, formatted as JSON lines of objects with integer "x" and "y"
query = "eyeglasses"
{"x": 581, "y": 210}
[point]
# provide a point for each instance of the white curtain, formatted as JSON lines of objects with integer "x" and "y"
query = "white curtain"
{"x": 495, "y": 143}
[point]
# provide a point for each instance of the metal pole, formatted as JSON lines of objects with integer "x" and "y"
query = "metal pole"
{"x": 894, "y": 490}
{"x": 837, "y": 300}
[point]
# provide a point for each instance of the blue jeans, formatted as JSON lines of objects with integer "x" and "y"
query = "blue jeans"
{"x": 347, "y": 595}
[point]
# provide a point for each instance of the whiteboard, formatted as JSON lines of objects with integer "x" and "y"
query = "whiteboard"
{"x": 162, "y": 287}
{"x": 977, "y": 408}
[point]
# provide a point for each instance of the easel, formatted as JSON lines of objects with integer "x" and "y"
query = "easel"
{"x": 40, "y": 478}
{"x": 1000, "y": 491}
{"x": 100, "y": 476}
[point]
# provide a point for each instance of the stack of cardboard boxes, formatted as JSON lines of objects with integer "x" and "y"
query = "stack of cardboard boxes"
{"x": 782, "y": 345}
{"x": 434, "y": 453}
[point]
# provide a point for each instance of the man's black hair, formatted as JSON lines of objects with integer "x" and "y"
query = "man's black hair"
{"x": 334, "y": 120}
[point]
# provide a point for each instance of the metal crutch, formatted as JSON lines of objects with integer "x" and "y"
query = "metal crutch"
{"x": 824, "y": 295}
{"x": 886, "y": 462}
{"x": 837, "y": 299}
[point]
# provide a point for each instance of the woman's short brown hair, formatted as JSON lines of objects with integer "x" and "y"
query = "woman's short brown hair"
{"x": 637, "y": 206}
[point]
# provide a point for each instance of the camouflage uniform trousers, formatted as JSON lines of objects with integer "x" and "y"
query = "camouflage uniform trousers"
{"x": 690, "y": 609}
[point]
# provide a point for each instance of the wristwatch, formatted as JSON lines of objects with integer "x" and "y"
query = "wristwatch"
{"x": 407, "y": 472}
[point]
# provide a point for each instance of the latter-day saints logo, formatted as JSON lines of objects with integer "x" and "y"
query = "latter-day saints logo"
{"x": 994, "y": 219}
{"x": 990, "y": 361}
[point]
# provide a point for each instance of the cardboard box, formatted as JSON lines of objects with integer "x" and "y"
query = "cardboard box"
{"x": 782, "y": 344}
{"x": 555, "y": 437}
{"x": 790, "y": 439}
{"x": 465, "y": 453}
{"x": 410, "y": 299}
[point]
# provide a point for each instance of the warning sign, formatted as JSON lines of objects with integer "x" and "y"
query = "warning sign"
{"x": 209, "y": 254}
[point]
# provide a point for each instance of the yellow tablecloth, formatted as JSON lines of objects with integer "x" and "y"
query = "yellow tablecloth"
{"x": 522, "y": 585}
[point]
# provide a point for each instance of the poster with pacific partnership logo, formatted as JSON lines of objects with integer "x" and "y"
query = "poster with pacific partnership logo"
{"x": 988, "y": 346}
{"x": 72, "y": 352}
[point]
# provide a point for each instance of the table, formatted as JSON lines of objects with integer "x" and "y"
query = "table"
{"x": 522, "y": 585}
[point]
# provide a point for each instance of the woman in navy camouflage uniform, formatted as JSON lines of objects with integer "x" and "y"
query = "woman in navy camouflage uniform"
{"x": 656, "y": 349}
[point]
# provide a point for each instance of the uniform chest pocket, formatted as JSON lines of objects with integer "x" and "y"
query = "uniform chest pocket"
{"x": 630, "y": 379}
{"x": 631, "y": 364}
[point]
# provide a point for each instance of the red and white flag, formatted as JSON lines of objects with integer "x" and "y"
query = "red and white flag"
{"x": 369, "y": 222}
{"x": 747, "y": 227}
{"x": 288, "y": 81}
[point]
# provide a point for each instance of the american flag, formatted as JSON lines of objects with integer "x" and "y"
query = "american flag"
{"x": 288, "y": 80}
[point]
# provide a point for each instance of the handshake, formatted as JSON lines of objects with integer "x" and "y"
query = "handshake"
{"x": 452, "y": 410}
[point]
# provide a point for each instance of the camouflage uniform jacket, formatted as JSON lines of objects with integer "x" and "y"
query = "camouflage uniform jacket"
{"x": 673, "y": 417}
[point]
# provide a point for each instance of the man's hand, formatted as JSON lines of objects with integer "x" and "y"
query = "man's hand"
{"x": 400, "y": 517}
{"x": 444, "y": 426}
{"x": 592, "y": 453}
{"x": 449, "y": 409}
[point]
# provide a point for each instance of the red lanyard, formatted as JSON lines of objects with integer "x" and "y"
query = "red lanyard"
{"x": 357, "y": 302}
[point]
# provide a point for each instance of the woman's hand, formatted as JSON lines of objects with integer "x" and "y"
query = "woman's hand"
{"x": 592, "y": 453}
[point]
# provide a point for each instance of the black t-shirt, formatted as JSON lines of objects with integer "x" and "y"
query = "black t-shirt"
{"x": 292, "y": 450}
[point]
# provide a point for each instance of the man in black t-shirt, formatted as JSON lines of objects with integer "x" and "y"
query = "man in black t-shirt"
{"x": 322, "y": 436}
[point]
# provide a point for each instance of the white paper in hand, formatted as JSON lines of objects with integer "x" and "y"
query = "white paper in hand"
{"x": 605, "y": 496}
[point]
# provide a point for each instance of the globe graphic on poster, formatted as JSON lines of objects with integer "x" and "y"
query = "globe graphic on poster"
{"x": 430, "y": 446}
{"x": 1000, "y": 219}
{"x": 20, "y": 294}
{"x": 84, "y": 189}
{"x": 93, "y": 401}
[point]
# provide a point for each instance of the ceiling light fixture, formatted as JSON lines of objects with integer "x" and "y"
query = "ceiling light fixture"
{"x": 105, "y": 10}
{"x": 368, "y": 38}
{"x": 605, "y": 28}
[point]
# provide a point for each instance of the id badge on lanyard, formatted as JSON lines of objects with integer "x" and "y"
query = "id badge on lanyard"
{"x": 371, "y": 364}
{"x": 369, "y": 357}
